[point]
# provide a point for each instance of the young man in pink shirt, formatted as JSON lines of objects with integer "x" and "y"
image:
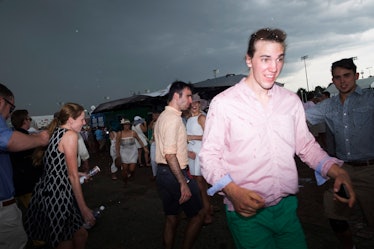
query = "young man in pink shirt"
{"x": 252, "y": 132}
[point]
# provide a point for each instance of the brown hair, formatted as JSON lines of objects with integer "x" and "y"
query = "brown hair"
{"x": 18, "y": 117}
{"x": 346, "y": 63}
{"x": 72, "y": 110}
{"x": 177, "y": 87}
{"x": 266, "y": 34}
{"x": 5, "y": 92}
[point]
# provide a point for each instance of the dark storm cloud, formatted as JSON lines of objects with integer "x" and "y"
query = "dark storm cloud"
{"x": 86, "y": 51}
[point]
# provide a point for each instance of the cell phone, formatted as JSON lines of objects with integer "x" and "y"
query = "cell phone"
{"x": 343, "y": 192}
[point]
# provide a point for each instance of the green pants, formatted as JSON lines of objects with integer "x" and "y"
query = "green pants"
{"x": 271, "y": 228}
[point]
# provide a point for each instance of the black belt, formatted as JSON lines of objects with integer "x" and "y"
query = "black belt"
{"x": 7, "y": 203}
{"x": 361, "y": 163}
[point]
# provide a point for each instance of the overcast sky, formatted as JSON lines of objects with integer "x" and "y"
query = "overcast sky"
{"x": 93, "y": 51}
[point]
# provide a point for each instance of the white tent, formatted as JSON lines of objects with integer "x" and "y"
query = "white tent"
{"x": 158, "y": 93}
{"x": 42, "y": 121}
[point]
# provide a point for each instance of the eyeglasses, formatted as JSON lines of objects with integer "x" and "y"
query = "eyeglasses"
{"x": 12, "y": 106}
{"x": 270, "y": 34}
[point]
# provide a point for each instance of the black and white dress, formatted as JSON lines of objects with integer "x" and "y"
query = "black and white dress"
{"x": 53, "y": 215}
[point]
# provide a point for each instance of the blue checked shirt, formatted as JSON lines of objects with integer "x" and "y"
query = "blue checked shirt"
{"x": 352, "y": 123}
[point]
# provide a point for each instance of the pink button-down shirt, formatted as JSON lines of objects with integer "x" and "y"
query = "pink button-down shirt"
{"x": 254, "y": 146}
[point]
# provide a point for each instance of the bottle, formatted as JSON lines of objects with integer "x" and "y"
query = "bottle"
{"x": 91, "y": 173}
{"x": 96, "y": 213}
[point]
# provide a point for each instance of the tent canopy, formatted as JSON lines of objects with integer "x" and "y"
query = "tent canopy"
{"x": 125, "y": 103}
{"x": 207, "y": 89}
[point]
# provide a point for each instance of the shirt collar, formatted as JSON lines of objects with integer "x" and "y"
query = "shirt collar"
{"x": 170, "y": 108}
{"x": 358, "y": 90}
{"x": 248, "y": 90}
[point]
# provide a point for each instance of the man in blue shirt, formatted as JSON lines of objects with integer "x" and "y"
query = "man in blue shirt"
{"x": 12, "y": 234}
{"x": 100, "y": 138}
{"x": 350, "y": 117}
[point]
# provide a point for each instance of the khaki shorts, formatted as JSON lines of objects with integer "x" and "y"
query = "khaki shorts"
{"x": 363, "y": 184}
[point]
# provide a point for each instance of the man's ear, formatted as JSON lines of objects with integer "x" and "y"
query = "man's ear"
{"x": 176, "y": 96}
{"x": 248, "y": 61}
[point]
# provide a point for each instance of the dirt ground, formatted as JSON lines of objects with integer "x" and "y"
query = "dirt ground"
{"x": 133, "y": 217}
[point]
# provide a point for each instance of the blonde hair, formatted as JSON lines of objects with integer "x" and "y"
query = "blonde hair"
{"x": 69, "y": 110}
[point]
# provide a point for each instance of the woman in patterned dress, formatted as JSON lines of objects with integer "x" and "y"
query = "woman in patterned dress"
{"x": 58, "y": 210}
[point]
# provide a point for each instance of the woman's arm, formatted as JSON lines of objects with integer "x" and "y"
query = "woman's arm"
{"x": 69, "y": 146}
{"x": 201, "y": 120}
{"x": 143, "y": 126}
{"x": 135, "y": 135}
{"x": 118, "y": 140}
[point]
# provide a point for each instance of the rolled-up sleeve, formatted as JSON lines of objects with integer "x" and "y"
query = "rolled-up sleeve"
{"x": 213, "y": 167}
{"x": 323, "y": 167}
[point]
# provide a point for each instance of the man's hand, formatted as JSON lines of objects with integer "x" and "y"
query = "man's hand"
{"x": 341, "y": 177}
{"x": 245, "y": 201}
{"x": 185, "y": 193}
{"x": 44, "y": 136}
{"x": 174, "y": 166}
{"x": 191, "y": 155}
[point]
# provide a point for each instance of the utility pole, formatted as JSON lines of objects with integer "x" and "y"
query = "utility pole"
{"x": 306, "y": 74}
{"x": 368, "y": 68}
{"x": 215, "y": 71}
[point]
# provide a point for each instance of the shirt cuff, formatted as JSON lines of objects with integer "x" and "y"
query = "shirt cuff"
{"x": 323, "y": 166}
{"x": 219, "y": 185}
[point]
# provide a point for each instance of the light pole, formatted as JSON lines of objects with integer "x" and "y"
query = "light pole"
{"x": 306, "y": 74}
{"x": 215, "y": 71}
{"x": 368, "y": 68}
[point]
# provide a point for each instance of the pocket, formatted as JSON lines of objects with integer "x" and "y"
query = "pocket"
{"x": 362, "y": 116}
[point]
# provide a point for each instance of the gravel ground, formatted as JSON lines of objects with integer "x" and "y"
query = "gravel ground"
{"x": 133, "y": 218}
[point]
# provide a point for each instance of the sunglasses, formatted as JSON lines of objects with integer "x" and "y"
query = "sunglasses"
{"x": 270, "y": 34}
{"x": 12, "y": 106}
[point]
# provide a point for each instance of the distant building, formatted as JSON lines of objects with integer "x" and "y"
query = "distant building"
{"x": 41, "y": 121}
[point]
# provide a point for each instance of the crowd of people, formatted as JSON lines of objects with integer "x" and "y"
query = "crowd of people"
{"x": 242, "y": 147}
